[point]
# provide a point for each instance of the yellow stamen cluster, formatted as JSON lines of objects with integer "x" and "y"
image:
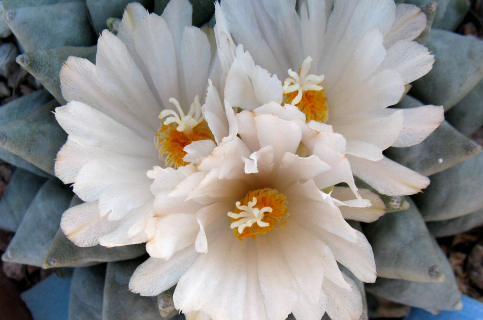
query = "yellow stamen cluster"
{"x": 171, "y": 142}
{"x": 179, "y": 130}
{"x": 304, "y": 90}
{"x": 313, "y": 104}
{"x": 258, "y": 213}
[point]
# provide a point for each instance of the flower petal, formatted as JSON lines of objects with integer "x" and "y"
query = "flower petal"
{"x": 80, "y": 82}
{"x": 419, "y": 123}
{"x": 411, "y": 59}
{"x": 195, "y": 57}
{"x": 357, "y": 257}
{"x": 279, "y": 296}
{"x": 119, "y": 73}
{"x": 215, "y": 280}
{"x": 388, "y": 177}
{"x": 341, "y": 303}
{"x": 174, "y": 232}
{"x": 90, "y": 127}
{"x": 369, "y": 133}
{"x": 155, "y": 276}
{"x": 368, "y": 214}
{"x": 409, "y": 23}
{"x": 282, "y": 135}
{"x": 83, "y": 225}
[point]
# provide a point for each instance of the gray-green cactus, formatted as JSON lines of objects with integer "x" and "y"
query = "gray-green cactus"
{"x": 49, "y": 31}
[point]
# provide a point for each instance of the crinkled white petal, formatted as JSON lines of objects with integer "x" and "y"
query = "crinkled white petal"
{"x": 196, "y": 57}
{"x": 307, "y": 203}
{"x": 364, "y": 214}
{"x": 97, "y": 175}
{"x": 357, "y": 257}
{"x": 411, "y": 59}
{"x": 155, "y": 276}
{"x": 118, "y": 71}
{"x": 83, "y": 224}
{"x": 214, "y": 114}
{"x": 409, "y": 23}
{"x": 285, "y": 112}
{"x": 73, "y": 156}
{"x": 90, "y": 127}
{"x": 388, "y": 177}
{"x": 283, "y": 136}
{"x": 294, "y": 168}
{"x": 155, "y": 45}
{"x": 173, "y": 233}
{"x": 80, "y": 82}
{"x": 419, "y": 123}
{"x": 221, "y": 275}
{"x": 343, "y": 304}
{"x": 278, "y": 294}
{"x": 198, "y": 150}
{"x": 370, "y": 133}
{"x": 126, "y": 231}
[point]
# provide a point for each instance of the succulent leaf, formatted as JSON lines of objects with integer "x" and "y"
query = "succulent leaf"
{"x": 36, "y": 137}
{"x": 119, "y": 302}
{"x": 21, "y": 107}
{"x": 45, "y": 65}
{"x": 20, "y": 193}
{"x": 393, "y": 238}
{"x": 21, "y": 163}
{"x": 454, "y": 192}
{"x": 203, "y": 10}
{"x": 427, "y": 295}
{"x": 8, "y": 53}
{"x": 15, "y": 110}
{"x": 467, "y": 115}
{"x": 442, "y": 149}
{"x": 34, "y": 235}
{"x": 48, "y": 299}
{"x": 4, "y": 29}
{"x": 430, "y": 11}
{"x": 457, "y": 69}
{"x": 449, "y": 13}
{"x": 14, "y": 4}
{"x": 64, "y": 253}
{"x": 458, "y": 225}
{"x": 86, "y": 292}
{"x": 453, "y": 15}
{"x": 101, "y": 10}
{"x": 50, "y": 26}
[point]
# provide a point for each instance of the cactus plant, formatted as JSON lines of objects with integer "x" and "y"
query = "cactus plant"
{"x": 49, "y": 31}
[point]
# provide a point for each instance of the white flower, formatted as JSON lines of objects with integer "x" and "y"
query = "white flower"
{"x": 247, "y": 233}
{"x": 344, "y": 62}
{"x": 156, "y": 67}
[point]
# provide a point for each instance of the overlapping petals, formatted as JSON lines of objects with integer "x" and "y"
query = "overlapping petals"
{"x": 112, "y": 119}
{"x": 289, "y": 269}
{"x": 366, "y": 52}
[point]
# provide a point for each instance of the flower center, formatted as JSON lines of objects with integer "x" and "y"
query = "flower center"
{"x": 304, "y": 91}
{"x": 258, "y": 212}
{"x": 178, "y": 131}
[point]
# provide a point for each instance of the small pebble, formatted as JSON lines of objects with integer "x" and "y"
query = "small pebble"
{"x": 4, "y": 90}
{"x": 8, "y": 53}
{"x": 475, "y": 266}
{"x": 14, "y": 270}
